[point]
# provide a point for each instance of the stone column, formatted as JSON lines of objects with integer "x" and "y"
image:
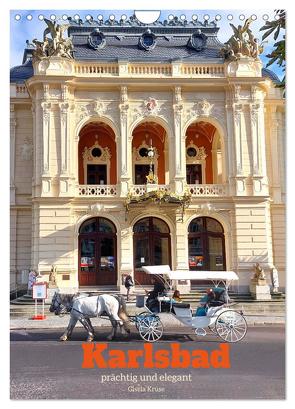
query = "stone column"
{"x": 12, "y": 153}
{"x": 124, "y": 166}
{"x": 179, "y": 143}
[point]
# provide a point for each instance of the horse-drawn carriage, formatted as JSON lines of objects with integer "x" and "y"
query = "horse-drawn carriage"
{"x": 220, "y": 317}
{"x": 227, "y": 323}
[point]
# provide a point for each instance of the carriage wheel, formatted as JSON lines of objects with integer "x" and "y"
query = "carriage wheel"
{"x": 140, "y": 317}
{"x": 231, "y": 326}
{"x": 150, "y": 328}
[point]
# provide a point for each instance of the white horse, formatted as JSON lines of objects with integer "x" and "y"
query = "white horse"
{"x": 82, "y": 308}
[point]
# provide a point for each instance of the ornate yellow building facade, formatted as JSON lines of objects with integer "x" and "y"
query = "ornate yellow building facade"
{"x": 90, "y": 122}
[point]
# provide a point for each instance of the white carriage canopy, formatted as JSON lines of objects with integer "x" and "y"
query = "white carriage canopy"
{"x": 224, "y": 277}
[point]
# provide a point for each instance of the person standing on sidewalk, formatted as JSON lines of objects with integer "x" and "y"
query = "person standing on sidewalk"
{"x": 128, "y": 284}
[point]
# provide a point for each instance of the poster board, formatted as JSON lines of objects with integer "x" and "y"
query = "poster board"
{"x": 39, "y": 291}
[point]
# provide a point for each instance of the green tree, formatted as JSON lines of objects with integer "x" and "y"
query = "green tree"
{"x": 278, "y": 54}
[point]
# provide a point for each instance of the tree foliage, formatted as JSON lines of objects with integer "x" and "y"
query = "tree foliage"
{"x": 278, "y": 54}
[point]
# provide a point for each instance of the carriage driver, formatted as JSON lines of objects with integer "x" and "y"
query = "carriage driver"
{"x": 159, "y": 289}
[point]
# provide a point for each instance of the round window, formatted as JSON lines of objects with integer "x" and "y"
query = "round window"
{"x": 143, "y": 152}
{"x": 191, "y": 152}
{"x": 148, "y": 40}
{"x": 96, "y": 152}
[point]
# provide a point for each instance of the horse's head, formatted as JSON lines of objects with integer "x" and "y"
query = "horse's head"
{"x": 59, "y": 304}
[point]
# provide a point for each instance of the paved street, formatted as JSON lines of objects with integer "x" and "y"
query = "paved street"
{"x": 43, "y": 368}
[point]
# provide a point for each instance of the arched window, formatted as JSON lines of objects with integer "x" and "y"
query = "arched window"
{"x": 206, "y": 248}
{"x": 97, "y": 252}
{"x": 152, "y": 246}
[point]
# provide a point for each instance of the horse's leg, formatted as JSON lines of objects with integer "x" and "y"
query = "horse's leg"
{"x": 114, "y": 329}
{"x": 123, "y": 316}
{"x": 90, "y": 325}
{"x": 89, "y": 329}
{"x": 68, "y": 332}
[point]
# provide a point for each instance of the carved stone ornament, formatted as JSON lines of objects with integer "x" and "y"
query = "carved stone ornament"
{"x": 94, "y": 108}
{"x": 205, "y": 107}
{"x": 56, "y": 46}
{"x": 207, "y": 208}
{"x": 254, "y": 112}
{"x": 104, "y": 156}
{"x": 96, "y": 208}
{"x": 151, "y": 106}
{"x": 242, "y": 43}
{"x": 237, "y": 111}
{"x": 177, "y": 95}
{"x": 124, "y": 95}
{"x": 200, "y": 152}
{"x": 26, "y": 150}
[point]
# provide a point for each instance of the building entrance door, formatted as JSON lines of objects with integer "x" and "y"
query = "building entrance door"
{"x": 97, "y": 252}
{"x": 152, "y": 246}
{"x": 206, "y": 247}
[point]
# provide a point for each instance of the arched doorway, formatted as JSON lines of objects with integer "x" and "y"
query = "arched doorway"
{"x": 144, "y": 136}
{"x": 204, "y": 154}
{"x": 152, "y": 246}
{"x": 206, "y": 248}
{"x": 97, "y": 155}
{"x": 97, "y": 252}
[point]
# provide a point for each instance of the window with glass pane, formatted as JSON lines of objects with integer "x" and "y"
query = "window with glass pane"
{"x": 107, "y": 254}
{"x": 88, "y": 226}
{"x": 87, "y": 262}
{"x": 161, "y": 249}
{"x": 215, "y": 253}
{"x": 213, "y": 225}
{"x": 196, "y": 225}
{"x": 160, "y": 226}
{"x": 142, "y": 256}
{"x": 195, "y": 253}
{"x": 142, "y": 226}
{"x": 105, "y": 226}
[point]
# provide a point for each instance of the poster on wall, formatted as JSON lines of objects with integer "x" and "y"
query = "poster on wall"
{"x": 202, "y": 91}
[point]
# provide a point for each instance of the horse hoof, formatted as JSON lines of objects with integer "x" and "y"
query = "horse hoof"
{"x": 109, "y": 337}
{"x": 63, "y": 338}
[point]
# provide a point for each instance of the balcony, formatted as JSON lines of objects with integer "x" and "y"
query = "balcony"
{"x": 208, "y": 190}
{"x": 138, "y": 190}
{"x": 97, "y": 190}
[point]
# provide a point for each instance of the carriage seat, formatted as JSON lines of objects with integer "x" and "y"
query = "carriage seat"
{"x": 180, "y": 305}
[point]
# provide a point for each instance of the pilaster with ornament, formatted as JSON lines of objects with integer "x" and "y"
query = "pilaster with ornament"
{"x": 12, "y": 153}
{"x": 240, "y": 177}
{"x": 64, "y": 143}
{"x": 179, "y": 143}
{"x": 125, "y": 143}
{"x": 273, "y": 129}
{"x": 46, "y": 178}
{"x": 259, "y": 176}
{"x": 33, "y": 110}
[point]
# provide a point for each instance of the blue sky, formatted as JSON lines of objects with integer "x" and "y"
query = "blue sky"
{"x": 25, "y": 29}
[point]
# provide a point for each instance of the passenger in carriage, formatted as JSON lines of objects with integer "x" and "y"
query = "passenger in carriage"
{"x": 213, "y": 298}
{"x": 176, "y": 296}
